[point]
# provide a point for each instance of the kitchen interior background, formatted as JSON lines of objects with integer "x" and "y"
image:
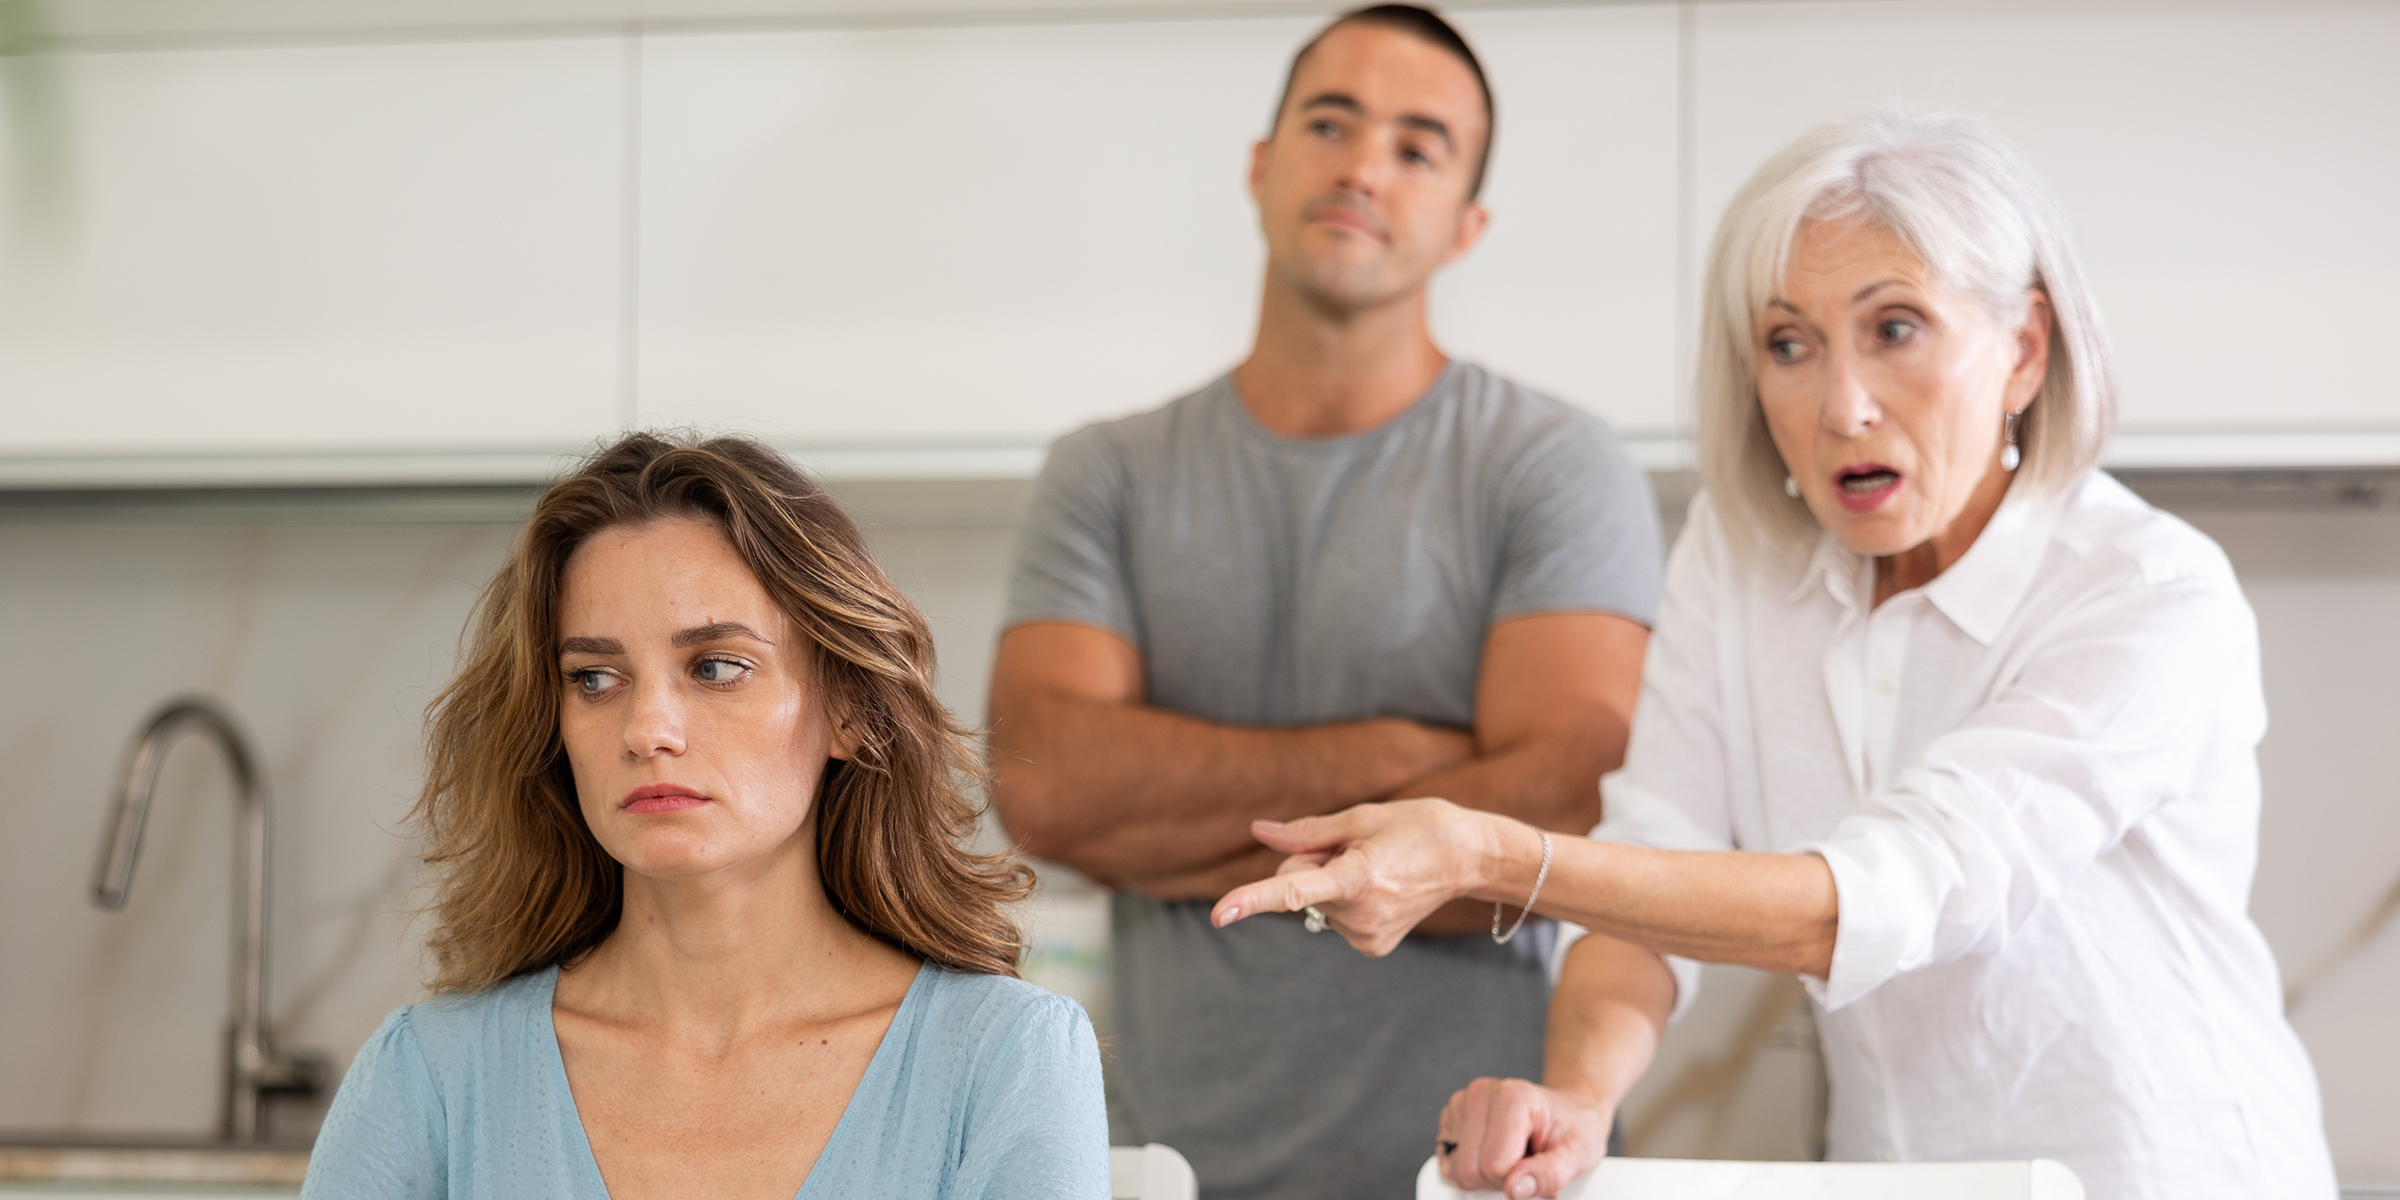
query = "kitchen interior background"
{"x": 298, "y": 300}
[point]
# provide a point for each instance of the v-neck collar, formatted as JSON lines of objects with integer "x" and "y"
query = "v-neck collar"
{"x": 885, "y": 1063}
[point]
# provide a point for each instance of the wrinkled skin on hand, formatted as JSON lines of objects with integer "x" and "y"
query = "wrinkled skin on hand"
{"x": 1374, "y": 870}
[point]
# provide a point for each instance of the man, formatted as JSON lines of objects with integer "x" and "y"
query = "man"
{"x": 1351, "y": 570}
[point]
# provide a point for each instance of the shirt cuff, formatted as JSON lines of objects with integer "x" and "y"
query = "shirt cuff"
{"x": 1686, "y": 971}
{"x": 1687, "y": 985}
{"x": 1564, "y": 940}
{"x": 1884, "y": 917}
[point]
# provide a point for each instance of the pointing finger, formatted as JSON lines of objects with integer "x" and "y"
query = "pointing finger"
{"x": 1279, "y": 893}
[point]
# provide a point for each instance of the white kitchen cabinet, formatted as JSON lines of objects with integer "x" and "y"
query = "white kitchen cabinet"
{"x": 924, "y": 250}
{"x": 2229, "y": 170}
{"x": 947, "y": 235}
{"x": 993, "y": 235}
{"x": 1573, "y": 289}
{"x": 320, "y": 247}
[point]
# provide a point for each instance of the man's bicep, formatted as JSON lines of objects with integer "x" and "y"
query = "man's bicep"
{"x": 1068, "y": 660}
{"x": 1567, "y": 674}
{"x": 1043, "y": 757}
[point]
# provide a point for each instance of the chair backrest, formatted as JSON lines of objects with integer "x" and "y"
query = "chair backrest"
{"x": 1683, "y": 1179}
{"x": 1151, "y": 1172}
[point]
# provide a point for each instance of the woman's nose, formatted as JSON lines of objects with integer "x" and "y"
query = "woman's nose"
{"x": 654, "y": 725}
{"x": 1850, "y": 408}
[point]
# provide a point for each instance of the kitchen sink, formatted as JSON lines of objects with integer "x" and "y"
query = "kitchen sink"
{"x": 122, "y": 1167}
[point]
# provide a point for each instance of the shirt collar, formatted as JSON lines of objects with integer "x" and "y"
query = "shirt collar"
{"x": 1980, "y": 590}
{"x": 1833, "y": 563}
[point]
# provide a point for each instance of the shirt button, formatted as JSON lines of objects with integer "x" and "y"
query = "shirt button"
{"x": 1884, "y": 686}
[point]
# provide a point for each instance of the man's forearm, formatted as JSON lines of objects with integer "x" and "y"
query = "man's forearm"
{"x": 1550, "y": 783}
{"x": 1122, "y": 791}
{"x": 1210, "y": 881}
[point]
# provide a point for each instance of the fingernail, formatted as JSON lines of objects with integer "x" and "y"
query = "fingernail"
{"x": 1522, "y": 1188}
{"x": 1264, "y": 823}
{"x": 1227, "y": 916}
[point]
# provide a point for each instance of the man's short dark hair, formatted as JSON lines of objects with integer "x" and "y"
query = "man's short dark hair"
{"x": 1426, "y": 25}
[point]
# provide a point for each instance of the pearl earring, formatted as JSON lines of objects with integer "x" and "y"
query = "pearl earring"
{"x": 1791, "y": 487}
{"x": 2010, "y": 456}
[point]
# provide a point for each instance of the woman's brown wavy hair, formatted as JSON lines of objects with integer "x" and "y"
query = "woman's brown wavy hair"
{"x": 519, "y": 883}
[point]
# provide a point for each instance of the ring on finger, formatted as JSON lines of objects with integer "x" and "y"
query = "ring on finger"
{"x": 1447, "y": 1146}
{"x": 1313, "y": 919}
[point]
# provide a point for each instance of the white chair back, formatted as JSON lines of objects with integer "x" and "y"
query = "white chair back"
{"x": 1151, "y": 1172}
{"x": 1683, "y": 1179}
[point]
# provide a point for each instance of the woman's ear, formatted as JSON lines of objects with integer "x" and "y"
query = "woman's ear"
{"x": 845, "y": 734}
{"x": 2033, "y": 352}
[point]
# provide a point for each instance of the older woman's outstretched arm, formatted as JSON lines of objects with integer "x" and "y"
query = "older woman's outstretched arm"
{"x": 1377, "y": 869}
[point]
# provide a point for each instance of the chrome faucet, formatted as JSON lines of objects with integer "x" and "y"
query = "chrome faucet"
{"x": 253, "y": 1067}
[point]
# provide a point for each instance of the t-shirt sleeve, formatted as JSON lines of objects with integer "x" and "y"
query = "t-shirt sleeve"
{"x": 383, "y": 1139}
{"x": 1042, "y": 1126}
{"x": 1070, "y": 563}
{"x": 1581, "y": 529}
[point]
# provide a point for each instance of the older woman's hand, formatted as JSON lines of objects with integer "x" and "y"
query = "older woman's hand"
{"x": 1374, "y": 870}
{"x": 1519, "y": 1138}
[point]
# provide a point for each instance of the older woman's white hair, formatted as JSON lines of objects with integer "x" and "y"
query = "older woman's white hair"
{"x": 1963, "y": 201}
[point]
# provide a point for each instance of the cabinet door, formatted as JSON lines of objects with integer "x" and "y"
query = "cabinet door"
{"x": 1573, "y": 289}
{"x": 344, "y": 247}
{"x": 994, "y": 235}
{"x": 2229, "y": 169}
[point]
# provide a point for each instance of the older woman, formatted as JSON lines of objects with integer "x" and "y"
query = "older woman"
{"x": 703, "y": 923}
{"x": 1936, "y": 716}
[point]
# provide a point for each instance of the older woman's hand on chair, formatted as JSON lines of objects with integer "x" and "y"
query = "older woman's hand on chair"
{"x": 1519, "y": 1138}
{"x": 1374, "y": 870}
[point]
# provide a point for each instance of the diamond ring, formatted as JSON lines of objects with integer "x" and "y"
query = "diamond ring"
{"x": 1313, "y": 919}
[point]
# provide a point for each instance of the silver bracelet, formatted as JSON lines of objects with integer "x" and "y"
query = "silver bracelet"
{"x": 1527, "y": 911}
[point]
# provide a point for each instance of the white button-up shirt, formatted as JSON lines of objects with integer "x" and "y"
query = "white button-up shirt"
{"x": 2035, "y": 781}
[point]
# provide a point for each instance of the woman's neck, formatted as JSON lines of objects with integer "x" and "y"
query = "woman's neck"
{"x": 1920, "y": 564}
{"x": 722, "y": 953}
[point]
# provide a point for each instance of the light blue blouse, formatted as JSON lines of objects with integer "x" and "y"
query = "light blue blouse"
{"x": 982, "y": 1087}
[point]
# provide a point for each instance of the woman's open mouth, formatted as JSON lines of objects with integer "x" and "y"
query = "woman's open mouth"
{"x": 1865, "y": 487}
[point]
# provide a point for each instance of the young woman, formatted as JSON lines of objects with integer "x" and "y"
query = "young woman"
{"x": 703, "y": 922}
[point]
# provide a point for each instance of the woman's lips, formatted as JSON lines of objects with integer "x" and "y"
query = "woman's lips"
{"x": 1864, "y": 488}
{"x": 661, "y": 798}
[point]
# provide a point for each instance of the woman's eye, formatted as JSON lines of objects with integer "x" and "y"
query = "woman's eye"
{"x": 591, "y": 683}
{"x": 1784, "y": 349}
{"x": 1324, "y": 128}
{"x": 719, "y": 670}
{"x": 1894, "y": 331}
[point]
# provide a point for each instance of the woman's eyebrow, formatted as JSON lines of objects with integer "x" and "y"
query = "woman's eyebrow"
{"x": 1873, "y": 288}
{"x": 591, "y": 645}
{"x": 717, "y": 631}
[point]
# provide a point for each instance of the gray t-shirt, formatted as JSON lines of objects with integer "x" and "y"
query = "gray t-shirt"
{"x": 1273, "y": 581}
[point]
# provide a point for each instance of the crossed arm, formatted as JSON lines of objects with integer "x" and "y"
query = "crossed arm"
{"x": 1089, "y": 774}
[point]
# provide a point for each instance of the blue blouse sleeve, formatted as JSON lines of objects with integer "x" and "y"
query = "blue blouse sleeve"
{"x": 383, "y": 1139}
{"x": 1041, "y": 1127}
